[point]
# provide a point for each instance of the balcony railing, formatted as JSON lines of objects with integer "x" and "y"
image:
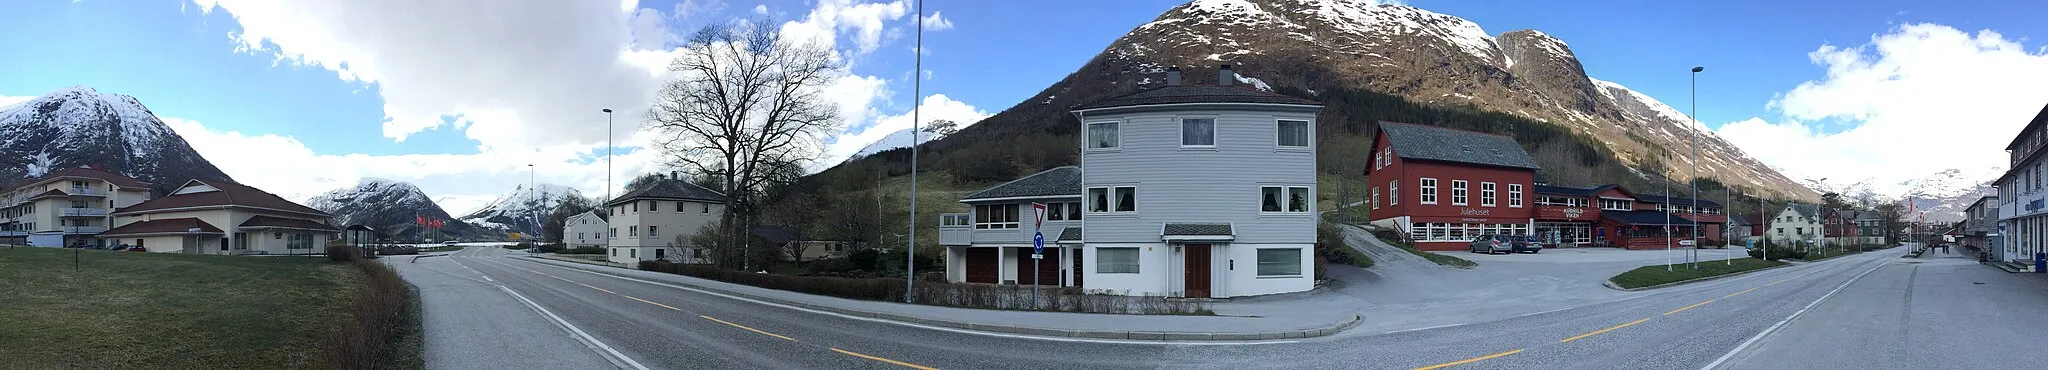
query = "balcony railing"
{"x": 84, "y": 212}
{"x": 84, "y": 191}
{"x": 84, "y": 229}
{"x": 956, "y": 229}
{"x": 13, "y": 233}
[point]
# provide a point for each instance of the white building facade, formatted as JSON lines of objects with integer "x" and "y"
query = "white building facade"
{"x": 656, "y": 221}
{"x": 585, "y": 230}
{"x": 2022, "y": 228}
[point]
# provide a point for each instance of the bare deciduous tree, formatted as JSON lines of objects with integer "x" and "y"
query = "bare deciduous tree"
{"x": 744, "y": 107}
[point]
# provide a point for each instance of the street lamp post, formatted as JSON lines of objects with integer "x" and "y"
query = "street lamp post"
{"x": 1695, "y": 180}
{"x": 607, "y": 155}
{"x": 530, "y": 183}
{"x": 916, "y": 90}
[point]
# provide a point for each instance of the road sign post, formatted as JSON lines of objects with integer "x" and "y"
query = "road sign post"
{"x": 1037, "y": 248}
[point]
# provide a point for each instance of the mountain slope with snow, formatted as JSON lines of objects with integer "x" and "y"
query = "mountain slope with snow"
{"x": 80, "y": 126}
{"x": 523, "y": 210}
{"x": 391, "y": 207}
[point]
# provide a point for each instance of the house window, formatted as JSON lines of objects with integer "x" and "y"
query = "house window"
{"x": 615, "y": 252}
{"x": 1055, "y": 211}
{"x": 1375, "y": 197}
{"x": 1269, "y": 198}
{"x": 1098, "y": 199}
{"x": 1102, "y": 135}
{"x": 636, "y": 207}
{"x": 1486, "y": 194}
{"x": 1458, "y": 192}
{"x": 679, "y": 206}
{"x": 1279, "y": 262}
{"x": 707, "y": 208}
{"x": 300, "y": 241}
{"x": 653, "y": 206}
{"x": 614, "y": 234}
{"x": 995, "y": 216}
{"x": 1126, "y": 198}
{"x": 1515, "y": 195}
{"x": 632, "y": 253}
{"x": 1394, "y": 193}
{"x": 1294, "y": 134}
{"x": 1428, "y": 191}
{"x": 1198, "y": 132}
{"x": 633, "y": 231}
{"x": 1386, "y": 157}
{"x": 651, "y": 234}
{"x": 579, "y": 236}
{"x": 1297, "y": 199}
{"x": 1116, "y": 260}
{"x": 1074, "y": 211}
{"x": 1615, "y": 204}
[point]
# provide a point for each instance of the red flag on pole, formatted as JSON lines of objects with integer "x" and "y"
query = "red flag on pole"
{"x": 417, "y": 220}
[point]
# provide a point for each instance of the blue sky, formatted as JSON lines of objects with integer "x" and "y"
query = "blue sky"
{"x": 301, "y": 97}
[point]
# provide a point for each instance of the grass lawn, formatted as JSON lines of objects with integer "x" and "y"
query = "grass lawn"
{"x": 155, "y": 310}
{"x": 1439, "y": 258}
{"x": 1656, "y": 274}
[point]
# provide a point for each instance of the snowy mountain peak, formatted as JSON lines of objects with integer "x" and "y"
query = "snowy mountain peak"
{"x": 80, "y": 126}
{"x": 522, "y": 210}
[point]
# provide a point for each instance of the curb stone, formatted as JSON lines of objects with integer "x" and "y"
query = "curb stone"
{"x": 1025, "y": 330}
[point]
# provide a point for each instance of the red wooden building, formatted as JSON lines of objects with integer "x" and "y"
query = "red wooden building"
{"x": 1443, "y": 187}
{"x": 1609, "y": 215}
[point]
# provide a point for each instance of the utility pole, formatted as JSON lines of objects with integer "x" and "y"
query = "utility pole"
{"x": 916, "y": 90}
{"x": 1695, "y": 180}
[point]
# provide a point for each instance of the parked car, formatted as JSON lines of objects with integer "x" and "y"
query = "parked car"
{"x": 1490, "y": 244}
{"x": 1523, "y": 243}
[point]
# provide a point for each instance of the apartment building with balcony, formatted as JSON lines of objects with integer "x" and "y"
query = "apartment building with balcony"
{"x": 66, "y": 207}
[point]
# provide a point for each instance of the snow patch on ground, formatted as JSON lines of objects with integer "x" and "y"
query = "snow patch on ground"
{"x": 1256, "y": 83}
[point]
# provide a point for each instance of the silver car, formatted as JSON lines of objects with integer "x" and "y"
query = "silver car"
{"x": 1491, "y": 244}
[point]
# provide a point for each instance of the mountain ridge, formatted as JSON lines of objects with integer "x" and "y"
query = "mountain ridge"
{"x": 81, "y": 126}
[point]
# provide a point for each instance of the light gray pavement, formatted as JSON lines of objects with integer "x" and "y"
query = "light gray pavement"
{"x": 469, "y": 323}
{"x": 1940, "y": 311}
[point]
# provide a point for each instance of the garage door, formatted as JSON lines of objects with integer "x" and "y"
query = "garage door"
{"x": 1048, "y": 268}
{"x": 982, "y": 265}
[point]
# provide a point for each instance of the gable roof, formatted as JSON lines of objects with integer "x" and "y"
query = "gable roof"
{"x": 81, "y": 171}
{"x": 163, "y": 226}
{"x": 1647, "y": 198}
{"x": 1413, "y": 141}
{"x": 669, "y": 189}
{"x": 1194, "y": 94}
{"x": 1063, "y": 181}
{"x": 1805, "y": 210}
{"x": 224, "y": 194}
{"x": 591, "y": 214}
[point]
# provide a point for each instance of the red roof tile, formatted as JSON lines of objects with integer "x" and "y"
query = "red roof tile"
{"x": 117, "y": 179}
{"x": 230, "y": 194}
{"x": 289, "y": 223}
{"x": 168, "y": 225}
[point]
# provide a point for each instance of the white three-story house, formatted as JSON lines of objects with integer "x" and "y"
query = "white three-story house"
{"x": 1183, "y": 190}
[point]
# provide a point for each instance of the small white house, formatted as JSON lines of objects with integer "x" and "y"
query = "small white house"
{"x": 585, "y": 230}
{"x": 1797, "y": 222}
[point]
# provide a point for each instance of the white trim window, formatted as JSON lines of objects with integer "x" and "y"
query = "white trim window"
{"x": 1458, "y": 197}
{"x": 1279, "y": 262}
{"x": 1113, "y": 199}
{"x": 1103, "y": 135}
{"x": 1116, "y": 260}
{"x": 651, "y": 232}
{"x": 1616, "y": 204}
{"x": 1394, "y": 193}
{"x": 995, "y": 216}
{"x": 1298, "y": 199}
{"x": 1428, "y": 190}
{"x": 1292, "y": 134}
{"x": 1286, "y": 199}
{"x": 1198, "y": 132}
{"x": 1375, "y": 197}
{"x": 1514, "y": 195}
{"x": 1486, "y": 194}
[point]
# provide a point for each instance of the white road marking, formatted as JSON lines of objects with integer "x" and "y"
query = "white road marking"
{"x": 915, "y": 325}
{"x": 1429, "y": 327}
{"x": 580, "y": 335}
{"x": 1781, "y": 323}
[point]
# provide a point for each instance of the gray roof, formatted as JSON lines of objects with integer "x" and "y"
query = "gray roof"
{"x": 1806, "y": 210}
{"x": 669, "y": 189}
{"x": 1196, "y": 229}
{"x": 1413, "y": 141}
{"x": 1189, "y": 94}
{"x": 1063, "y": 181}
{"x": 1649, "y": 198}
{"x": 1070, "y": 234}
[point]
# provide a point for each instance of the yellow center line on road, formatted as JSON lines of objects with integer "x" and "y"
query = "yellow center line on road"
{"x": 1597, "y": 332}
{"x": 1740, "y": 293}
{"x": 1779, "y": 281}
{"x": 749, "y": 329}
{"x": 1688, "y": 307}
{"x": 892, "y": 362}
{"x": 1467, "y": 361}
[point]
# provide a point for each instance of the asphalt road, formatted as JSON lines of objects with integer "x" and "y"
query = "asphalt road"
{"x": 660, "y": 326}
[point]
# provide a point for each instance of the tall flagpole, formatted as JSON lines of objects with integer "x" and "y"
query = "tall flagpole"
{"x": 916, "y": 93}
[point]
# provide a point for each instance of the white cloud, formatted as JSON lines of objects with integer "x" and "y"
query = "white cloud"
{"x": 935, "y": 22}
{"x": 935, "y": 107}
{"x": 864, "y": 21}
{"x": 6, "y": 101}
{"x": 528, "y": 91}
{"x": 761, "y": 9}
{"x": 1917, "y": 100}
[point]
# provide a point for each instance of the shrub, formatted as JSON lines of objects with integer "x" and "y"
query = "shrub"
{"x": 340, "y": 253}
{"x": 1778, "y": 253}
{"x": 362, "y": 339}
{"x": 829, "y": 265}
{"x": 520, "y": 246}
{"x": 864, "y": 259}
{"x": 393, "y": 250}
{"x": 549, "y": 248}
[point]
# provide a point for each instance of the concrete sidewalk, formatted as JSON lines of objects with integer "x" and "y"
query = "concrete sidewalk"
{"x": 1278, "y": 323}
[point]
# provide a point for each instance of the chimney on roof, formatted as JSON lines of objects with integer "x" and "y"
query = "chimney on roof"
{"x": 660, "y": 176}
{"x": 1172, "y": 76}
{"x": 1224, "y": 76}
{"x": 672, "y": 175}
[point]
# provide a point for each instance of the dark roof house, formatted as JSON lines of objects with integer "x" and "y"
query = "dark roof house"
{"x": 1419, "y": 142}
{"x": 669, "y": 189}
{"x": 225, "y": 194}
{"x": 1064, "y": 181}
